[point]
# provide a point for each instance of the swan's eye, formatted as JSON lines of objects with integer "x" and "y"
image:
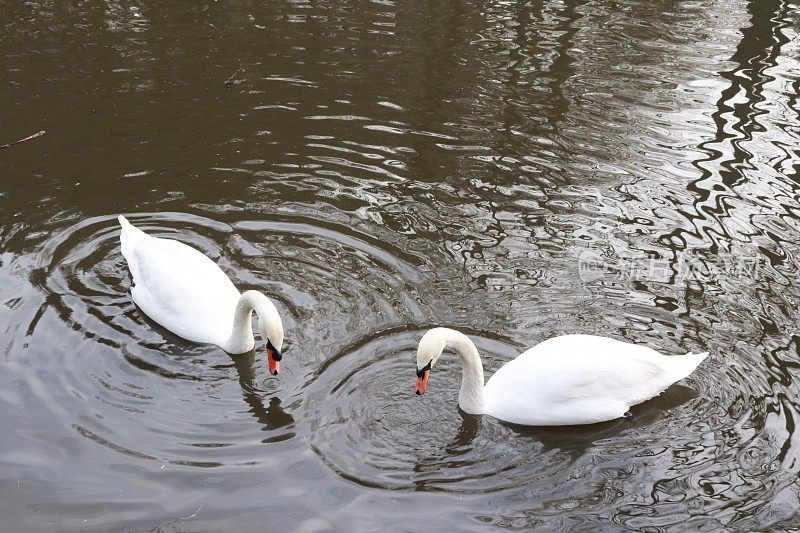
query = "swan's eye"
{"x": 421, "y": 372}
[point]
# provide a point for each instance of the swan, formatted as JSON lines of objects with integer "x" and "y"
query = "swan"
{"x": 563, "y": 381}
{"x": 186, "y": 292}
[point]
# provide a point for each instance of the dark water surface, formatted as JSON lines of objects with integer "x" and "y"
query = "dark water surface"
{"x": 517, "y": 170}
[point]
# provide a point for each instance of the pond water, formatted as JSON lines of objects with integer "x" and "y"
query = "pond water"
{"x": 516, "y": 170}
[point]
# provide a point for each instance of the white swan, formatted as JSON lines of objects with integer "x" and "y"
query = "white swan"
{"x": 186, "y": 292}
{"x": 567, "y": 380}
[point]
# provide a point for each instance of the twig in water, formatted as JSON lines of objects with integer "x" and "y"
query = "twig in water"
{"x": 37, "y": 134}
{"x": 194, "y": 514}
{"x": 230, "y": 80}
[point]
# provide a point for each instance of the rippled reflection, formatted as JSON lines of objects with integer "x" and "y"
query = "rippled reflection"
{"x": 379, "y": 168}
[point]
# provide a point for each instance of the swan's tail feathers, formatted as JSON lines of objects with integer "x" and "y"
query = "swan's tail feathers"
{"x": 683, "y": 365}
{"x": 129, "y": 237}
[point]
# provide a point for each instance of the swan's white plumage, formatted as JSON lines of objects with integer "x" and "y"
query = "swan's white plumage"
{"x": 568, "y": 380}
{"x": 187, "y": 293}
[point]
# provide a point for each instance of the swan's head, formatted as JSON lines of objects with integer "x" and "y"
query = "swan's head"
{"x": 271, "y": 327}
{"x": 274, "y": 334}
{"x": 274, "y": 357}
{"x": 430, "y": 349}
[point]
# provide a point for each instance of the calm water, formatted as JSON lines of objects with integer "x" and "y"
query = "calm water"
{"x": 515, "y": 170}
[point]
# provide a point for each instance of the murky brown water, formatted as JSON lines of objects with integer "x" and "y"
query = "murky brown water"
{"x": 379, "y": 168}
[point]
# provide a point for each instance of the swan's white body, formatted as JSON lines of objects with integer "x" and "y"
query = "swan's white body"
{"x": 186, "y": 292}
{"x": 567, "y": 380}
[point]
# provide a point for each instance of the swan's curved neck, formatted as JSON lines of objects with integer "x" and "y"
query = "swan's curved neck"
{"x": 241, "y": 339}
{"x": 471, "y": 397}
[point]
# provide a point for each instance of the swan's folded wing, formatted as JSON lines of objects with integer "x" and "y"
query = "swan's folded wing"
{"x": 577, "y": 387}
{"x": 570, "y": 377}
{"x": 184, "y": 291}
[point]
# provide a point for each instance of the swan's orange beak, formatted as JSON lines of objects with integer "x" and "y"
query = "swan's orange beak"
{"x": 422, "y": 383}
{"x": 273, "y": 361}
